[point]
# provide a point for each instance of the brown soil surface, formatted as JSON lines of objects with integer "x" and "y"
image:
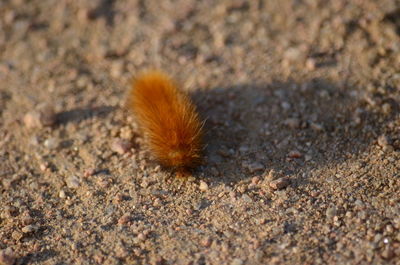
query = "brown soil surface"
{"x": 302, "y": 105}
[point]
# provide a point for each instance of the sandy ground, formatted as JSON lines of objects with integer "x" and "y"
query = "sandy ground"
{"x": 303, "y": 132}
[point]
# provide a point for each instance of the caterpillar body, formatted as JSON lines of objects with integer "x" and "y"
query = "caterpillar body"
{"x": 169, "y": 120}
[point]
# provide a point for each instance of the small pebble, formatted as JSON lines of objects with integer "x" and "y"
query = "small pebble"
{"x": 51, "y": 143}
{"x": 121, "y": 146}
{"x": 73, "y": 182}
{"x": 29, "y": 229}
{"x": 370, "y": 100}
{"x": 32, "y": 119}
{"x": 121, "y": 252}
{"x": 310, "y": 64}
{"x": 43, "y": 166}
{"x": 253, "y": 167}
{"x": 34, "y": 140}
{"x": 243, "y": 149}
{"x": 331, "y": 212}
{"x": 294, "y": 154}
{"x": 98, "y": 258}
{"x": 255, "y": 180}
{"x": 141, "y": 236}
{"x": 206, "y": 242}
{"x": 42, "y": 116}
{"x": 389, "y": 229}
{"x": 271, "y": 175}
{"x": 118, "y": 198}
{"x": 292, "y": 54}
{"x": 145, "y": 183}
{"x": 138, "y": 252}
{"x": 386, "y": 108}
{"x": 214, "y": 171}
{"x": 110, "y": 210}
{"x": 7, "y": 256}
{"x": 126, "y": 133}
{"x": 157, "y": 202}
{"x": 219, "y": 39}
{"x": 292, "y": 123}
{"x": 89, "y": 172}
{"x": 246, "y": 198}
{"x": 237, "y": 262}
{"x": 387, "y": 253}
{"x": 16, "y": 235}
{"x": 116, "y": 69}
{"x": 280, "y": 183}
{"x": 383, "y": 141}
{"x": 104, "y": 182}
{"x": 241, "y": 189}
{"x": 256, "y": 243}
{"x": 203, "y": 186}
{"x": 124, "y": 219}
{"x": 62, "y": 194}
{"x": 9, "y": 211}
{"x": 316, "y": 127}
{"x": 7, "y": 183}
{"x": 27, "y": 220}
{"x": 285, "y": 105}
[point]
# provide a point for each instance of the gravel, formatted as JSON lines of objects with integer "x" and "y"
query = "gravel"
{"x": 300, "y": 101}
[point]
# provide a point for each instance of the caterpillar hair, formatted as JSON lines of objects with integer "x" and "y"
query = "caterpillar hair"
{"x": 168, "y": 120}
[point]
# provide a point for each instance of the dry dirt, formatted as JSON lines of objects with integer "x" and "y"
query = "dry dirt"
{"x": 303, "y": 132}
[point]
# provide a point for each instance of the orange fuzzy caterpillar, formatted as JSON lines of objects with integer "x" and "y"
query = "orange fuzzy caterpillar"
{"x": 168, "y": 119}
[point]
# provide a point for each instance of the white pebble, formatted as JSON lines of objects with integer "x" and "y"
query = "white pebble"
{"x": 121, "y": 146}
{"x": 73, "y": 182}
{"x": 51, "y": 143}
{"x": 203, "y": 186}
{"x": 62, "y": 194}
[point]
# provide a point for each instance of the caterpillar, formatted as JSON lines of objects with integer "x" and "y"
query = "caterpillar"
{"x": 168, "y": 119}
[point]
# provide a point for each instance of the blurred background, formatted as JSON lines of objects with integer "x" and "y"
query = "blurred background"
{"x": 208, "y": 43}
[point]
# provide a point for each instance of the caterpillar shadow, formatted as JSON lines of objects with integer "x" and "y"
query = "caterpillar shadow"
{"x": 289, "y": 127}
{"x": 80, "y": 114}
